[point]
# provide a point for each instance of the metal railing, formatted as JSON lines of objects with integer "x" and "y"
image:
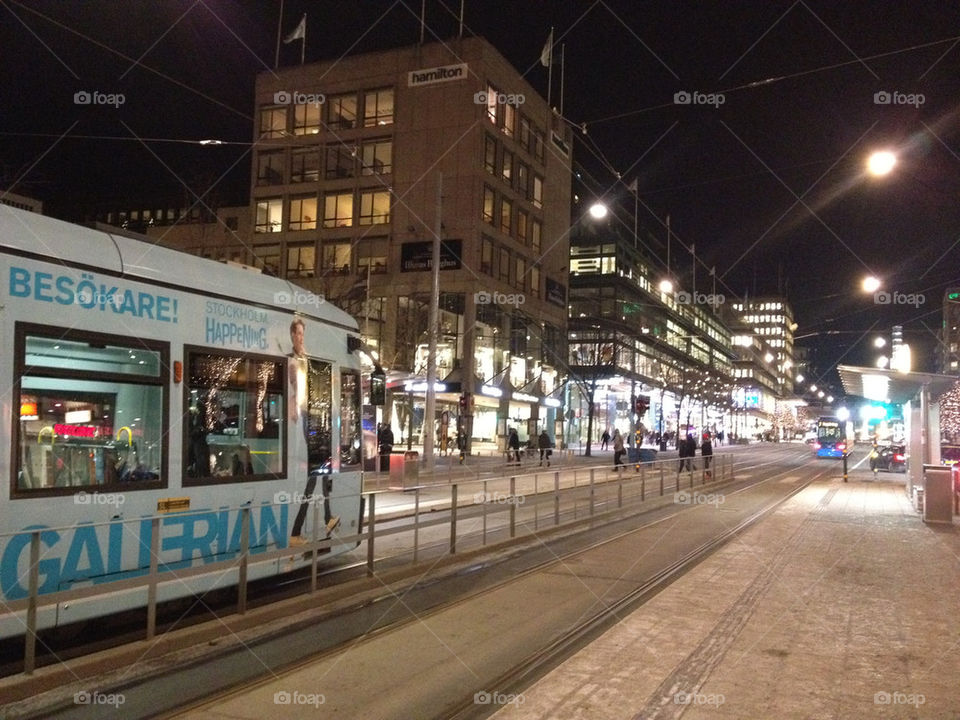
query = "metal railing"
{"x": 560, "y": 497}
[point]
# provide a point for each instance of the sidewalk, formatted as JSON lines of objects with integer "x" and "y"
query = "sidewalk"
{"x": 841, "y": 604}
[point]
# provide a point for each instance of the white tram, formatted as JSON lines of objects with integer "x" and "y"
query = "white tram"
{"x": 140, "y": 382}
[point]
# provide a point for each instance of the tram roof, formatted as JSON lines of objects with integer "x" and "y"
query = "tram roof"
{"x": 31, "y": 234}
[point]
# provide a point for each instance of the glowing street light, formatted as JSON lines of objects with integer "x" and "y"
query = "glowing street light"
{"x": 883, "y": 361}
{"x": 598, "y": 211}
{"x": 843, "y": 414}
{"x": 813, "y": 388}
{"x": 870, "y": 284}
{"x": 800, "y": 378}
{"x": 666, "y": 286}
{"x": 879, "y": 342}
{"x": 881, "y": 163}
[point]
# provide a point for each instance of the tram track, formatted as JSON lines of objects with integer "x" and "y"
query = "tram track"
{"x": 74, "y": 642}
{"x": 546, "y": 657}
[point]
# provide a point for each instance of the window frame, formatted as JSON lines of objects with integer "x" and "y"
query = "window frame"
{"x": 24, "y": 329}
{"x": 283, "y": 440}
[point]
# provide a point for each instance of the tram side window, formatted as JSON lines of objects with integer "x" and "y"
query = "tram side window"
{"x": 91, "y": 411}
{"x": 319, "y": 414}
{"x": 350, "y": 419}
{"x": 235, "y": 423}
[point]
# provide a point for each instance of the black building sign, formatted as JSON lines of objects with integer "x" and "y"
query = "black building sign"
{"x": 556, "y": 293}
{"x": 418, "y": 256}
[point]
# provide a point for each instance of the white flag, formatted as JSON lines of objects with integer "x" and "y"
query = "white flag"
{"x": 300, "y": 33}
{"x": 546, "y": 55}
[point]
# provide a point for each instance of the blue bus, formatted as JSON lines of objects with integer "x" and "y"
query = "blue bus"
{"x": 831, "y": 438}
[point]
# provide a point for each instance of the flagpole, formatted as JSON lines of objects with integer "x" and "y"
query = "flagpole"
{"x": 550, "y": 76}
{"x": 423, "y": 15}
{"x": 303, "y": 41}
{"x": 668, "y": 246}
{"x": 563, "y": 47}
{"x": 460, "y": 34}
{"x": 276, "y": 57}
{"x": 693, "y": 253}
{"x": 636, "y": 202}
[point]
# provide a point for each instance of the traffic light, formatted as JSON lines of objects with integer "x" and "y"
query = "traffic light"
{"x": 466, "y": 404}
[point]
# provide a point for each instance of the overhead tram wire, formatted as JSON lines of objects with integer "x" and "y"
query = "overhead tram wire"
{"x": 779, "y": 78}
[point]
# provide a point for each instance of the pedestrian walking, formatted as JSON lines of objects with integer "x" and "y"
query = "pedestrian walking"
{"x": 618, "y": 451}
{"x": 604, "y": 439}
{"x": 706, "y": 450}
{"x": 686, "y": 449}
{"x": 513, "y": 446}
{"x": 543, "y": 442}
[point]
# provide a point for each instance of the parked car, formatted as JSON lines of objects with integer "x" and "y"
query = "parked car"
{"x": 889, "y": 457}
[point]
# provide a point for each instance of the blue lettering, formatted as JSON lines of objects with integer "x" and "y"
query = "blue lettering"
{"x": 270, "y": 527}
{"x": 19, "y": 282}
{"x": 11, "y": 573}
{"x": 114, "y": 548}
{"x": 163, "y": 308}
{"x": 42, "y": 283}
{"x": 128, "y": 304}
{"x": 84, "y": 541}
{"x": 187, "y": 542}
{"x": 146, "y": 305}
{"x": 65, "y": 290}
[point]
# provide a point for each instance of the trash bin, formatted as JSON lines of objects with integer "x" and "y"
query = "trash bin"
{"x": 937, "y": 494}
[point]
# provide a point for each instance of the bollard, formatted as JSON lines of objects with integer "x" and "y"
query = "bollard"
{"x": 371, "y": 531}
{"x": 845, "y": 467}
{"x": 556, "y": 497}
{"x": 453, "y": 519}
{"x": 661, "y": 479}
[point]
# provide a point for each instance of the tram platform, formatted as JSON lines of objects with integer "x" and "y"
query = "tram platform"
{"x": 841, "y": 604}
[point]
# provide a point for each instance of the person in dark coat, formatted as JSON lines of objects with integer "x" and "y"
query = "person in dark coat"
{"x": 604, "y": 439}
{"x": 706, "y": 450}
{"x": 513, "y": 446}
{"x": 543, "y": 442}
{"x": 687, "y": 449}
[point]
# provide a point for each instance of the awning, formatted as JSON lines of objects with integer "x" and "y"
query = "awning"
{"x": 892, "y": 385}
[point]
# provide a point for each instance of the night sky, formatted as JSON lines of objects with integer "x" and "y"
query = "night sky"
{"x": 769, "y": 185}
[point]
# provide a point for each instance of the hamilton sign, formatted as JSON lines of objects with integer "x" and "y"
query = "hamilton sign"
{"x": 434, "y": 75}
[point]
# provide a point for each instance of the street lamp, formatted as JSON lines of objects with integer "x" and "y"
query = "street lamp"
{"x": 879, "y": 342}
{"x": 870, "y": 284}
{"x": 813, "y": 388}
{"x": 800, "y": 378}
{"x": 880, "y": 163}
{"x": 666, "y": 286}
{"x": 598, "y": 211}
{"x": 883, "y": 361}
